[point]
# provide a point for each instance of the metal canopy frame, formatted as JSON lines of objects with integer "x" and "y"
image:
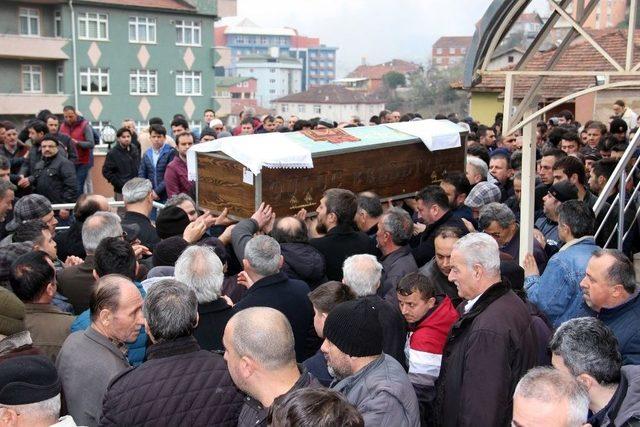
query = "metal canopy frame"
{"x": 493, "y": 28}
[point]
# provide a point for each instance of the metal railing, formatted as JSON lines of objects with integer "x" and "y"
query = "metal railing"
{"x": 620, "y": 178}
{"x": 112, "y": 204}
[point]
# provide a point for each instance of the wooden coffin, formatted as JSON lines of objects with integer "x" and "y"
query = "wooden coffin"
{"x": 392, "y": 164}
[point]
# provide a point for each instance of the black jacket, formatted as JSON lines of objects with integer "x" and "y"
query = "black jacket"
{"x": 178, "y": 385}
{"x": 290, "y": 298}
{"x": 394, "y": 335}
{"x": 214, "y": 316}
{"x": 69, "y": 241}
{"x": 55, "y": 178}
{"x": 422, "y": 244}
{"x": 487, "y": 351}
{"x": 121, "y": 165}
{"x": 303, "y": 262}
{"x": 340, "y": 243}
{"x": 145, "y": 230}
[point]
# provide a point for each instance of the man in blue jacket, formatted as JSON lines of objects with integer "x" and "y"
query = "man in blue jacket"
{"x": 155, "y": 160}
{"x": 610, "y": 289}
{"x": 557, "y": 291}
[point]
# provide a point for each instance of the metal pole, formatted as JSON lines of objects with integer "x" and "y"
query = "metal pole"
{"x": 621, "y": 203}
{"x": 527, "y": 199}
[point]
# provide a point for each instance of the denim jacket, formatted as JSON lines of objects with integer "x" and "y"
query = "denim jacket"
{"x": 557, "y": 292}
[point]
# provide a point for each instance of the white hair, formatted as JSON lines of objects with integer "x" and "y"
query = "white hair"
{"x": 362, "y": 274}
{"x": 548, "y": 385}
{"x": 136, "y": 189}
{"x": 99, "y": 226}
{"x": 201, "y": 270}
{"x": 44, "y": 410}
{"x": 482, "y": 249}
{"x": 479, "y": 166}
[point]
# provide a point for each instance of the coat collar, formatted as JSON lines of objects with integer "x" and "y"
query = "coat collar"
{"x": 342, "y": 229}
{"x": 213, "y": 306}
{"x": 486, "y": 299}
{"x": 183, "y": 345}
{"x": 268, "y": 281}
{"x": 395, "y": 255}
{"x": 609, "y": 313}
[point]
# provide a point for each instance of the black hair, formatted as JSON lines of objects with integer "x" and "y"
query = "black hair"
{"x": 458, "y": 180}
{"x": 578, "y": 217}
{"x": 115, "y": 256}
{"x": 39, "y": 126}
{"x": 416, "y": 282}
{"x": 480, "y": 151}
{"x": 604, "y": 167}
{"x": 434, "y": 194}
{"x": 572, "y": 165}
{"x": 30, "y": 231}
{"x": 121, "y": 132}
{"x": 180, "y": 121}
{"x": 159, "y": 129}
{"x": 326, "y": 296}
{"x": 156, "y": 121}
{"x": 30, "y": 274}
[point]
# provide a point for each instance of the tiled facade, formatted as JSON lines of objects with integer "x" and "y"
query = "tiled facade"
{"x": 130, "y": 62}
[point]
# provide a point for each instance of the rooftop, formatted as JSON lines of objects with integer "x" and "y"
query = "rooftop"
{"x": 377, "y": 71}
{"x": 447, "y": 42}
{"x": 330, "y": 94}
{"x": 580, "y": 55}
{"x": 230, "y": 81}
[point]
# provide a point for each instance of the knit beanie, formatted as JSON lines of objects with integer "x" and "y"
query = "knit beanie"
{"x": 167, "y": 251}
{"x": 171, "y": 221}
{"x": 11, "y": 313}
{"x": 354, "y": 327}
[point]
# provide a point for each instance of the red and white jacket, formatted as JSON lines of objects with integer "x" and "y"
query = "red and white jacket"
{"x": 425, "y": 342}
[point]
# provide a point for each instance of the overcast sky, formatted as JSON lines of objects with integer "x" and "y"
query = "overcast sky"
{"x": 379, "y": 30}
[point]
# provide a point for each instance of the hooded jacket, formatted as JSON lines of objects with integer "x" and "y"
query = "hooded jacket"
{"x": 303, "y": 262}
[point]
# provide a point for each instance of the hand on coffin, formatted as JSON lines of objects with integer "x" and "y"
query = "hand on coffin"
{"x": 269, "y": 226}
{"x": 194, "y": 231}
{"x": 302, "y": 214}
{"x": 222, "y": 218}
{"x": 263, "y": 215}
{"x": 225, "y": 237}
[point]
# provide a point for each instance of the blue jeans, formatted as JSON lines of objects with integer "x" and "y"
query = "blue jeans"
{"x": 82, "y": 171}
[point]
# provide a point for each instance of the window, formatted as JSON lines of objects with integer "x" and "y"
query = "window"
{"x": 317, "y": 109}
{"x": 60, "y": 80}
{"x": 272, "y": 70}
{"x": 57, "y": 24}
{"x": 142, "y": 30}
{"x": 31, "y": 79}
{"x": 195, "y": 124}
{"x": 98, "y": 126}
{"x": 463, "y": 50}
{"x": 302, "y": 108}
{"x": 285, "y": 108}
{"x": 94, "y": 80}
{"x": 272, "y": 91}
{"x": 188, "y": 33}
{"x": 509, "y": 59}
{"x": 143, "y": 82}
{"x": 438, "y": 60}
{"x": 263, "y": 40}
{"x": 245, "y": 84}
{"x": 439, "y": 51}
{"x": 240, "y": 39}
{"x": 29, "y": 22}
{"x": 188, "y": 83}
{"x": 452, "y": 51}
{"x": 272, "y": 81}
{"x": 236, "y": 95}
{"x": 93, "y": 26}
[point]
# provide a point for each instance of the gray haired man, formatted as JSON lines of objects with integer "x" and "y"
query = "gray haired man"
{"x": 547, "y": 397}
{"x": 492, "y": 344}
{"x": 395, "y": 228}
{"x": 269, "y": 287}
{"x": 182, "y": 384}
{"x": 587, "y": 350}
{"x": 138, "y": 203}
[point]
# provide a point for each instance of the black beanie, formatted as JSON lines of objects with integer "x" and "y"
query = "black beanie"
{"x": 354, "y": 327}
{"x": 167, "y": 251}
{"x": 171, "y": 221}
{"x": 28, "y": 379}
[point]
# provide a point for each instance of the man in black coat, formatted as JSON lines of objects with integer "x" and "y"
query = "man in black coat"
{"x": 490, "y": 347}
{"x": 122, "y": 161}
{"x": 137, "y": 194}
{"x": 434, "y": 210}
{"x": 362, "y": 274}
{"x": 201, "y": 270}
{"x": 179, "y": 384}
{"x": 336, "y": 214}
{"x": 268, "y": 287}
{"x": 54, "y": 175}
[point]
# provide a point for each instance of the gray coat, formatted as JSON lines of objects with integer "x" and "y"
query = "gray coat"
{"x": 86, "y": 364}
{"x": 625, "y": 405}
{"x": 383, "y": 394}
{"x": 395, "y": 266}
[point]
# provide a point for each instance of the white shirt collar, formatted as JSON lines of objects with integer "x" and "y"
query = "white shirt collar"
{"x": 471, "y": 303}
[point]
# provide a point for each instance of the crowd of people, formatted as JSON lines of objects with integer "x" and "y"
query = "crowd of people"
{"x": 406, "y": 313}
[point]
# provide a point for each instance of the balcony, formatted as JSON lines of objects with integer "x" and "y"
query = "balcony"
{"x": 23, "y": 47}
{"x": 28, "y": 103}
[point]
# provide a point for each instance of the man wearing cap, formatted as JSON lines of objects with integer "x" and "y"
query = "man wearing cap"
{"x": 54, "y": 175}
{"x": 482, "y": 194}
{"x": 375, "y": 383}
{"x": 621, "y": 110}
{"x": 30, "y": 393}
{"x": 618, "y": 129}
{"x": 548, "y": 223}
{"x": 33, "y": 206}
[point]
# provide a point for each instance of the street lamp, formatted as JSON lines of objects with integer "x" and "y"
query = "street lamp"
{"x": 108, "y": 135}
